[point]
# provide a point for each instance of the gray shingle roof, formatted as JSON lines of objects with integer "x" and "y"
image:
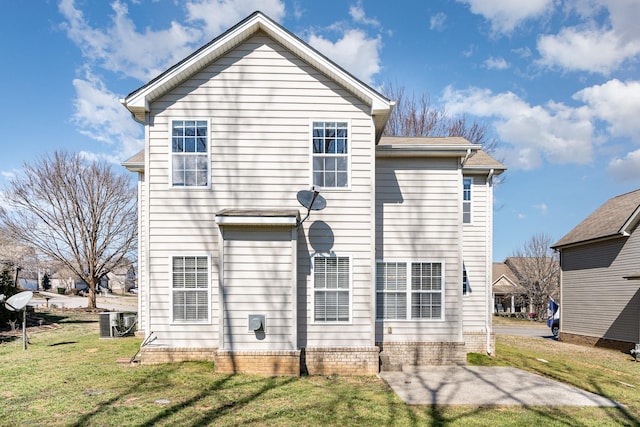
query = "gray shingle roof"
{"x": 609, "y": 220}
{"x": 482, "y": 160}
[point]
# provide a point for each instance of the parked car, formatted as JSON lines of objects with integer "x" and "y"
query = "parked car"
{"x": 554, "y": 318}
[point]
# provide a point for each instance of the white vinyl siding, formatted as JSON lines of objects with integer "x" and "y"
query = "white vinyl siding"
{"x": 190, "y": 289}
{"x": 259, "y": 159}
{"x": 257, "y": 278}
{"x": 331, "y": 288}
{"x": 477, "y": 256}
{"x": 418, "y": 218}
{"x": 190, "y": 153}
{"x": 415, "y": 284}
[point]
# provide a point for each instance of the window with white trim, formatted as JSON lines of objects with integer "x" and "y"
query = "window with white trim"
{"x": 409, "y": 290}
{"x": 330, "y": 154}
{"x": 190, "y": 153}
{"x": 466, "y": 200}
{"x": 331, "y": 288}
{"x": 190, "y": 288}
{"x": 391, "y": 290}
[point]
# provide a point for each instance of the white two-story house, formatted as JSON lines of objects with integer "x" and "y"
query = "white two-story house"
{"x": 394, "y": 270}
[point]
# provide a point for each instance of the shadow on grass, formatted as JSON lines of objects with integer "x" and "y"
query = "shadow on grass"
{"x": 206, "y": 418}
{"x": 63, "y": 343}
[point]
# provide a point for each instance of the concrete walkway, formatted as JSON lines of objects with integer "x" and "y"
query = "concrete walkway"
{"x": 485, "y": 385}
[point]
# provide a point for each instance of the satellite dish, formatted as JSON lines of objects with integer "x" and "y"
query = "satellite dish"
{"x": 312, "y": 200}
{"x": 18, "y": 301}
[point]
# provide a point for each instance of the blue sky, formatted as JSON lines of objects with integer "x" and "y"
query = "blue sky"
{"x": 557, "y": 82}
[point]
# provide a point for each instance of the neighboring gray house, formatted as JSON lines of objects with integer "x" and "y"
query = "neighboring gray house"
{"x": 599, "y": 258}
{"x": 226, "y": 270}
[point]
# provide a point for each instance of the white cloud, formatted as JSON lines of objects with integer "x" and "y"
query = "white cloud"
{"x": 496, "y": 63}
{"x": 627, "y": 168}
{"x": 120, "y": 48}
{"x": 437, "y": 21}
{"x": 592, "y": 50}
{"x": 219, "y": 15}
{"x": 358, "y": 15}
{"x": 355, "y": 52}
{"x": 607, "y": 36}
{"x": 617, "y": 103}
{"x": 100, "y": 116}
{"x": 555, "y": 132}
{"x": 506, "y": 15}
{"x": 542, "y": 208}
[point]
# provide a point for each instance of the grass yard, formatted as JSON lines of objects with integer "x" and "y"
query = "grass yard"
{"x": 69, "y": 377}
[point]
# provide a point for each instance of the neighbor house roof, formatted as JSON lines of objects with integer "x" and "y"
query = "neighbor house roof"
{"x": 138, "y": 101}
{"x": 615, "y": 218}
{"x": 504, "y": 280}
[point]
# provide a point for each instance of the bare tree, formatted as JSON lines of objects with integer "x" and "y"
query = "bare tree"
{"x": 538, "y": 271}
{"x": 76, "y": 212}
{"x": 415, "y": 116}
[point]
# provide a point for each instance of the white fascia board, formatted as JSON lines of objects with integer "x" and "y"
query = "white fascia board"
{"x": 140, "y": 100}
{"x": 415, "y": 150}
{"x": 628, "y": 226}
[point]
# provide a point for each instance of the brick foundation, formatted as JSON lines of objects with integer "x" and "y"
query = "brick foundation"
{"x": 155, "y": 355}
{"x": 396, "y": 354}
{"x": 340, "y": 361}
{"x": 623, "y": 346}
{"x": 270, "y": 363}
{"x": 476, "y": 342}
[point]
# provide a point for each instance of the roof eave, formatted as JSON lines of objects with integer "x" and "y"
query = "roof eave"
{"x": 138, "y": 101}
{"x": 558, "y": 247}
{"x": 401, "y": 150}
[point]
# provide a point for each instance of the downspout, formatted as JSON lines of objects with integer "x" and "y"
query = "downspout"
{"x": 489, "y": 264}
{"x": 466, "y": 157}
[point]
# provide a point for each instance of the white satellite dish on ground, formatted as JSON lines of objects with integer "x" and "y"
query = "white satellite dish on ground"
{"x": 18, "y": 301}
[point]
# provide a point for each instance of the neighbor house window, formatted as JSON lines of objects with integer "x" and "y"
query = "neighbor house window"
{"x": 466, "y": 200}
{"x": 330, "y": 154}
{"x": 190, "y": 288}
{"x": 189, "y": 153}
{"x": 331, "y": 288}
{"x": 409, "y": 290}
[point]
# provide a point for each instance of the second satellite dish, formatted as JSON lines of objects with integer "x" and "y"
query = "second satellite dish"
{"x": 18, "y": 301}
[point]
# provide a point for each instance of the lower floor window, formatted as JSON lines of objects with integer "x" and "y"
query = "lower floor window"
{"x": 190, "y": 288}
{"x": 331, "y": 289}
{"x": 409, "y": 290}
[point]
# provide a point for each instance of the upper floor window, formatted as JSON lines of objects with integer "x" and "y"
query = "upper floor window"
{"x": 331, "y": 288}
{"x": 330, "y": 154}
{"x": 466, "y": 200}
{"x": 190, "y": 153}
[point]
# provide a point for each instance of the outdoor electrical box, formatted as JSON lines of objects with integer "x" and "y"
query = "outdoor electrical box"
{"x": 257, "y": 323}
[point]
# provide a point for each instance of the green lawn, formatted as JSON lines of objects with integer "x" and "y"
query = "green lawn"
{"x": 69, "y": 377}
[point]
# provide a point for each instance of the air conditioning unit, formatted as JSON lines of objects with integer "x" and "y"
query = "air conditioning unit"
{"x": 117, "y": 324}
